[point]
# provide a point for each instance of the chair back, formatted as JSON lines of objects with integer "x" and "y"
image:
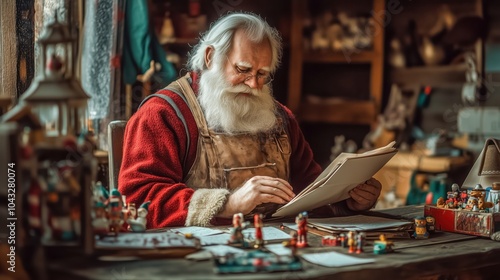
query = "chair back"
{"x": 116, "y": 132}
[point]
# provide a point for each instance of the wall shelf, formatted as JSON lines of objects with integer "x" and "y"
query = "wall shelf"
{"x": 338, "y": 111}
{"x": 364, "y": 56}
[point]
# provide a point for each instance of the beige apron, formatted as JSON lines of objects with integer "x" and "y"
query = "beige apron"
{"x": 229, "y": 160}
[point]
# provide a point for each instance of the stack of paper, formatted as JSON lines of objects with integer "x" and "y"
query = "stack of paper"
{"x": 334, "y": 183}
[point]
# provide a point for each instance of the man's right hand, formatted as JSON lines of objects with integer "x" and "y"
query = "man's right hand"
{"x": 257, "y": 190}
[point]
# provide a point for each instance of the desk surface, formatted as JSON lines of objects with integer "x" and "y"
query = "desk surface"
{"x": 442, "y": 254}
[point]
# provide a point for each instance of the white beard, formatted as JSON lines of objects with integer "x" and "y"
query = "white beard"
{"x": 235, "y": 109}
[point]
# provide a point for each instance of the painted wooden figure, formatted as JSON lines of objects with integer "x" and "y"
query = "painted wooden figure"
{"x": 259, "y": 240}
{"x": 360, "y": 242}
{"x": 351, "y": 241}
{"x": 430, "y": 224}
{"x": 382, "y": 245}
{"x": 301, "y": 221}
{"x": 237, "y": 230}
{"x": 139, "y": 224}
{"x": 420, "y": 228}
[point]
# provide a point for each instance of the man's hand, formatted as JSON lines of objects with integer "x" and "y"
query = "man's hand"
{"x": 364, "y": 196}
{"x": 257, "y": 190}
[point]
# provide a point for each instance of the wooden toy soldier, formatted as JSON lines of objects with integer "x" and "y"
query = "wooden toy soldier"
{"x": 351, "y": 241}
{"x": 259, "y": 241}
{"x": 360, "y": 242}
{"x": 420, "y": 228}
{"x": 301, "y": 221}
{"x": 237, "y": 230}
{"x": 430, "y": 223}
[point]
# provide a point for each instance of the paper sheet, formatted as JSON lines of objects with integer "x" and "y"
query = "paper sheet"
{"x": 197, "y": 231}
{"x": 334, "y": 183}
{"x": 334, "y": 259}
{"x": 279, "y": 249}
{"x": 214, "y": 239}
{"x": 269, "y": 234}
{"x": 360, "y": 223}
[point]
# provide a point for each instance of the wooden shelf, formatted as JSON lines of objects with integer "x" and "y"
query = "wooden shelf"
{"x": 338, "y": 111}
{"x": 442, "y": 76}
{"x": 365, "y": 56}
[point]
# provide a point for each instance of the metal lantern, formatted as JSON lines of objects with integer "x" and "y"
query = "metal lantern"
{"x": 55, "y": 96}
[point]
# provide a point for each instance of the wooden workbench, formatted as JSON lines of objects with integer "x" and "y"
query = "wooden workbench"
{"x": 446, "y": 254}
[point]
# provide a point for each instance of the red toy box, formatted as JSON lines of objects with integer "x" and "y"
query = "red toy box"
{"x": 462, "y": 221}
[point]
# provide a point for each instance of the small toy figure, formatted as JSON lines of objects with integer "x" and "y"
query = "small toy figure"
{"x": 360, "y": 242}
{"x": 115, "y": 211}
{"x": 100, "y": 223}
{"x": 259, "y": 240}
{"x": 441, "y": 203}
{"x": 494, "y": 197}
{"x": 483, "y": 205}
{"x": 382, "y": 245}
{"x": 237, "y": 230}
{"x": 139, "y": 224}
{"x": 420, "y": 228}
{"x": 472, "y": 204}
{"x": 292, "y": 243}
{"x": 301, "y": 221}
{"x": 330, "y": 240}
{"x": 343, "y": 242}
{"x": 351, "y": 241}
{"x": 431, "y": 221}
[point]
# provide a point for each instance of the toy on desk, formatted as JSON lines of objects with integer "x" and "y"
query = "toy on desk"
{"x": 343, "y": 240}
{"x": 239, "y": 225}
{"x": 360, "y": 242}
{"x": 430, "y": 224}
{"x": 420, "y": 228}
{"x": 292, "y": 243}
{"x": 330, "y": 240}
{"x": 139, "y": 224}
{"x": 351, "y": 241}
{"x": 382, "y": 245}
{"x": 494, "y": 197}
{"x": 100, "y": 222}
{"x": 259, "y": 240}
{"x": 115, "y": 211}
{"x": 301, "y": 221}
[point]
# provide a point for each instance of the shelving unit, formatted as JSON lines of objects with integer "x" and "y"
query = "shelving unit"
{"x": 343, "y": 110}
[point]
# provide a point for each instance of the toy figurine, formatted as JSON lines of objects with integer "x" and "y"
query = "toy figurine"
{"x": 100, "y": 223}
{"x": 420, "y": 228}
{"x": 237, "y": 230}
{"x": 343, "y": 242}
{"x": 382, "y": 245}
{"x": 259, "y": 241}
{"x": 292, "y": 243}
{"x": 360, "y": 242}
{"x": 301, "y": 221}
{"x": 494, "y": 197}
{"x": 483, "y": 205}
{"x": 330, "y": 240}
{"x": 430, "y": 224}
{"x": 115, "y": 211}
{"x": 139, "y": 224}
{"x": 351, "y": 241}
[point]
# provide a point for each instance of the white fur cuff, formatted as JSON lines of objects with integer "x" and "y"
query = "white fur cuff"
{"x": 204, "y": 205}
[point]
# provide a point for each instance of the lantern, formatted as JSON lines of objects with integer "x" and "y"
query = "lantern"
{"x": 55, "y": 96}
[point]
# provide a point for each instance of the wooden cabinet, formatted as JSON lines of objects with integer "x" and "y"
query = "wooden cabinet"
{"x": 339, "y": 109}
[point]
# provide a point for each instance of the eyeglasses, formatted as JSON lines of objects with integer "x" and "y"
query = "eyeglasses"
{"x": 244, "y": 73}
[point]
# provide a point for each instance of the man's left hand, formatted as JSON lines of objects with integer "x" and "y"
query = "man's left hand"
{"x": 364, "y": 196}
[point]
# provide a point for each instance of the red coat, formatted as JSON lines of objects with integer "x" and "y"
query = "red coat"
{"x": 153, "y": 150}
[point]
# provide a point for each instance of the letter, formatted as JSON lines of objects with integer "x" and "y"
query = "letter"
{"x": 12, "y": 269}
{"x": 380, "y": 19}
{"x": 393, "y": 6}
{"x": 220, "y": 7}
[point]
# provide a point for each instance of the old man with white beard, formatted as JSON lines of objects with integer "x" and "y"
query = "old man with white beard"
{"x": 215, "y": 142}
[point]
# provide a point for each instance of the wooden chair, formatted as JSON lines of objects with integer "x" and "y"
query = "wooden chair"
{"x": 116, "y": 131}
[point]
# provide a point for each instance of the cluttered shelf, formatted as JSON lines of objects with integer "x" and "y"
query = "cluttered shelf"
{"x": 418, "y": 160}
{"x": 445, "y": 75}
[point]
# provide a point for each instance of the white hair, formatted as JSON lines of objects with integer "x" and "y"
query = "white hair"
{"x": 220, "y": 37}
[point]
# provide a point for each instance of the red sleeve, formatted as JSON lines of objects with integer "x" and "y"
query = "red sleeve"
{"x": 152, "y": 164}
{"x": 303, "y": 169}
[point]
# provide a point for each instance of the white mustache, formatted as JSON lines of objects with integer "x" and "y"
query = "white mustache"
{"x": 241, "y": 88}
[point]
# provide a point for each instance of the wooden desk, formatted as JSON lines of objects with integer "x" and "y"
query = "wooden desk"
{"x": 443, "y": 254}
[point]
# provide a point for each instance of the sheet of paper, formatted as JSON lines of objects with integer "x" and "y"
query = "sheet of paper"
{"x": 214, "y": 239}
{"x": 334, "y": 259}
{"x": 337, "y": 185}
{"x": 279, "y": 249}
{"x": 145, "y": 240}
{"x": 222, "y": 250}
{"x": 269, "y": 234}
{"x": 360, "y": 223}
{"x": 197, "y": 231}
